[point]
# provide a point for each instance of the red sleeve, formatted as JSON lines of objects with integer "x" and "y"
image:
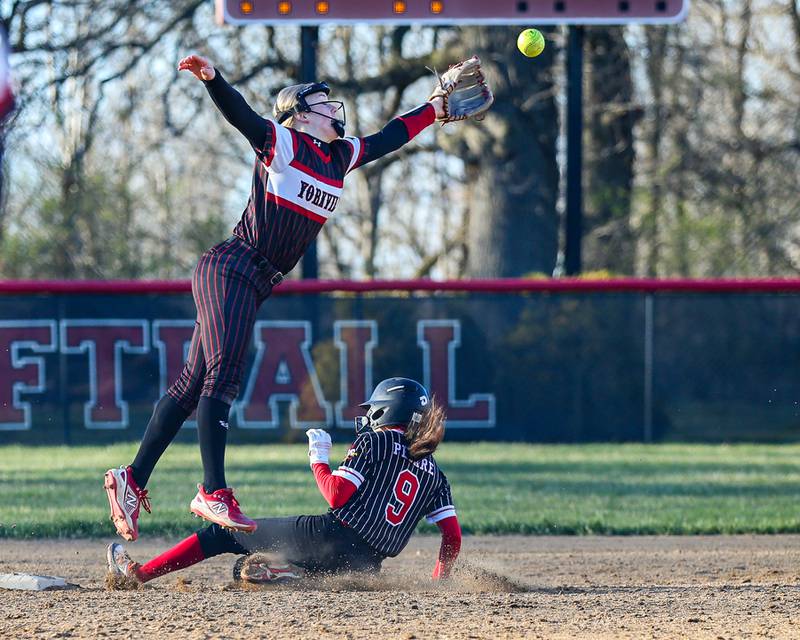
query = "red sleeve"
{"x": 451, "y": 545}
{"x": 418, "y": 119}
{"x": 336, "y": 490}
{"x": 395, "y": 134}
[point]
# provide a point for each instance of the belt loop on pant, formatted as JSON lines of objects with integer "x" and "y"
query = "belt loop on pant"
{"x": 275, "y": 276}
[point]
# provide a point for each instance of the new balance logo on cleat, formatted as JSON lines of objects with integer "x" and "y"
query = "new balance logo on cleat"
{"x": 220, "y": 507}
{"x": 131, "y": 500}
{"x": 125, "y": 498}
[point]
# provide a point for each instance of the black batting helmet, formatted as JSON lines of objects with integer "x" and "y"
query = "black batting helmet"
{"x": 395, "y": 401}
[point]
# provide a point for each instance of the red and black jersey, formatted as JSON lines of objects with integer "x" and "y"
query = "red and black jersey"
{"x": 393, "y": 492}
{"x": 297, "y": 179}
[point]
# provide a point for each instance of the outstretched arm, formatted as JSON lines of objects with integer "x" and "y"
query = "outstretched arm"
{"x": 230, "y": 102}
{"x": 398, "y": 132}
{"x": 449, "y": 548}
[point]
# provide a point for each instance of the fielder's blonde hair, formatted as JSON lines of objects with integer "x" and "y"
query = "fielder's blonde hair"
{"x": 286, "y": 100}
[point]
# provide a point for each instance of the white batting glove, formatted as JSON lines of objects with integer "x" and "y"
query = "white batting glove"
{"x": 319, "y": 445}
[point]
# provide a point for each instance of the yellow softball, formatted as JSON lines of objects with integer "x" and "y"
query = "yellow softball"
{"x": 531, "y": 42}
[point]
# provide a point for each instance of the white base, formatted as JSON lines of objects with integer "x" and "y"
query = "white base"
{"x": 33, "y": 583}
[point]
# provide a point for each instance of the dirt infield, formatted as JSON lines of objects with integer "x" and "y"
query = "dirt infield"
{"x": 515, "y": 587}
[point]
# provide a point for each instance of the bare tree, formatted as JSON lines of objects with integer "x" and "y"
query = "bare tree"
{"x": 512, "y": 163}
{"x": 720, "y": 193}
{"x": 611, "y": 115}
{"x": 123, "y": 168}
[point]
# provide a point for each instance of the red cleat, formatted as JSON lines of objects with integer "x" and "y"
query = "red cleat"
{"x": 125, "y": 497}
{"x": 221, "y": 508}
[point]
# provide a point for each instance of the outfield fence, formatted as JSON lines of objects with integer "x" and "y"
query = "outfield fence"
{"x": 537, "y": 360}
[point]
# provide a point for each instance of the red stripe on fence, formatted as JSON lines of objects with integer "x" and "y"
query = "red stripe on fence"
{"x": 510, "y": 285}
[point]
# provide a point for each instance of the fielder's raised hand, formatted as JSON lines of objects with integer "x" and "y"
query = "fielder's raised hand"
{"x": 438, "y": 107}
{"x": 200, "y": 67}
{"x": 319, "y": 446}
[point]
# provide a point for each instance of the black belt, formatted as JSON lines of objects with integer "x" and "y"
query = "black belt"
{"x": 275, "y": 276}
{"x": 262, "y": 264}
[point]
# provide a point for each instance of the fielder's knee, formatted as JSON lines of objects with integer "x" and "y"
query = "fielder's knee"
{"x": 187, "y": 401}
{"x": 186, "y": 389}
{"x": 224, "y": 389}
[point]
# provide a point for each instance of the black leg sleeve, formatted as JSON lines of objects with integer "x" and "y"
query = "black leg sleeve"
{"x": 215, "y": 540}
{"x": 168, "y": 416}
{"x": 212, "y": 432}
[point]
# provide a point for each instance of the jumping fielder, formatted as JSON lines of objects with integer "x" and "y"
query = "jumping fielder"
{"x": 302, "y": 158}
{"x": 386, "y": 484}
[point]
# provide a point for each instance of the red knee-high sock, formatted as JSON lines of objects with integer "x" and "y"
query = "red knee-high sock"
{"x": 182, "y": 555}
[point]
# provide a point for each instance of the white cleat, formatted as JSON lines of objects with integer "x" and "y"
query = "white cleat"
{"x": 120, "y": 563}
{"x": 125, "y": 498}
{"x": 258, "y": 569}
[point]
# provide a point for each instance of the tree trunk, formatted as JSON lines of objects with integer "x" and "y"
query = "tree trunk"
{"x": 513, "y": 222}
{"x": 608, "y": 237}
{"x": 656, "y": 39}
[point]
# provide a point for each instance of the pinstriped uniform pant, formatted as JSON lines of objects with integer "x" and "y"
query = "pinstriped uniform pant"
{"x": 228, "y": 286}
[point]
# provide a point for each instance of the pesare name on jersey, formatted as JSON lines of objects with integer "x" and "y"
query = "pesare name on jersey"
{"x": 426, "y": 464}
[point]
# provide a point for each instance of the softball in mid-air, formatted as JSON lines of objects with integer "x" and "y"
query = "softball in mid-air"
{"x": 531, "y": 42}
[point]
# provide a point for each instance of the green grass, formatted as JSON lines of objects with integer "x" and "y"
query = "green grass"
{"x": 498, "y": 488}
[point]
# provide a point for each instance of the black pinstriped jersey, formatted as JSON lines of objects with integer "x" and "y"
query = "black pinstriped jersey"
{"x": 297, "y": 183}
{"x": 393, "y": 492}
{"x": 298, "y": 179}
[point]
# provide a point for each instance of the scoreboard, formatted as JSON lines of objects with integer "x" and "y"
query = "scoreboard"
{"x": 316, "y": 12}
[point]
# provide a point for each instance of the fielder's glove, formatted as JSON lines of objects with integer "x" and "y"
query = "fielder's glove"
{"x": 319, "y": 445}
{"x": 464, "y": 91}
